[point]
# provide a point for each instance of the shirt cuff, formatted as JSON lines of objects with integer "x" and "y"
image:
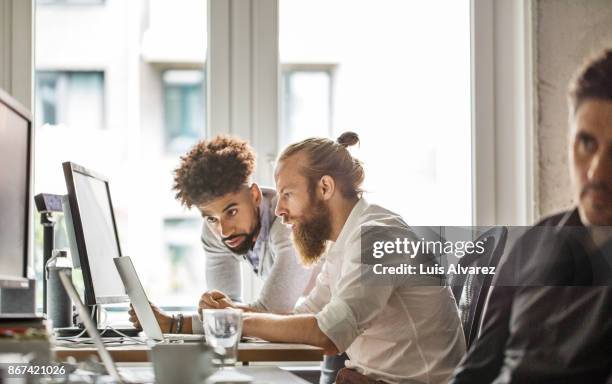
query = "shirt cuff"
{"x": 337, "y": 322}
{"x": 196, "y": 324}
{"x": 258, "y": 306}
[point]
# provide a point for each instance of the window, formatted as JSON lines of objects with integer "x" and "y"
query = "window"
{"x": 185, "y": 262}
{"x": 396, "y": 65}
{"x": 388, "y": 82}
{"x": 306, "y": 105}
{"x": 71, "y": 98}
{"x": 184, "y": 108}
{"x": 149, "y": 99}
{"x": 70, "y": 2}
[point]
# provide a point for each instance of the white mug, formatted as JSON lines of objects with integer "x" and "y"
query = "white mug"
{"x": 189, "y": 363}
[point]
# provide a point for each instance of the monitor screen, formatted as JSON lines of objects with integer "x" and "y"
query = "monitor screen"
{"x": 15, "y": 152}
{"x": 95, "y": 234}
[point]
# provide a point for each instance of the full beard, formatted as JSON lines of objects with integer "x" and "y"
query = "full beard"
{"x": 310, "y": 235}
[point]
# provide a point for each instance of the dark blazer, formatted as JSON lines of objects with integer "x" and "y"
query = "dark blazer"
{"x": 549, "y": 315}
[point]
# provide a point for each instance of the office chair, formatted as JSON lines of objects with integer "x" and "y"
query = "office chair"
{"x": 471, "y": 290}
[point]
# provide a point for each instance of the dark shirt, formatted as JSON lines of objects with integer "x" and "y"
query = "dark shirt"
{"x": 549, "y": 316}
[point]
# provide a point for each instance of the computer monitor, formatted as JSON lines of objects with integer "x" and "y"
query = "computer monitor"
{"x": 95, "y": 234}
{"x": 15, "y": 191}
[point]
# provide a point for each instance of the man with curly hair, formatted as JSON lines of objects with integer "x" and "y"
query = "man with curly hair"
{"x": 239, "y": 226}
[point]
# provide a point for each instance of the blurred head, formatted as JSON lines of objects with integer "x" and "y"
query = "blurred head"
{"x": 214, "y": 177}
{"x": 310, "y": 176}
{"x": 590, "y": 149}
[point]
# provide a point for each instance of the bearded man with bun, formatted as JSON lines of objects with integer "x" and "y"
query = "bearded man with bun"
{"x": 394, "y": 331}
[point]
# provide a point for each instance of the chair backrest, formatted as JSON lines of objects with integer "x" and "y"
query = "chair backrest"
{"x": 471, "y": 290}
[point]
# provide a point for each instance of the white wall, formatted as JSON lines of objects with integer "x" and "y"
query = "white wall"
{"x": 568, "y": 31}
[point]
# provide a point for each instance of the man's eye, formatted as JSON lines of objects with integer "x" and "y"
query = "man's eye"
{"x": 287, "y": 194}
{"x": 232, "y": 212}
{"x": 587, "y": 143}
{"x": 211, "y": 220}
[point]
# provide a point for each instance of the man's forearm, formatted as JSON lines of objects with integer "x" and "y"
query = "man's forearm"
{"x": 302, "y": 329}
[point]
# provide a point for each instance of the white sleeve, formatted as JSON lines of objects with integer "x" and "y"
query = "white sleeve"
{"x": 319, "y": 296}
{"x": 222, "y": 266}
{"x": 356, "y": 302}
{"x": 196, "y": 324}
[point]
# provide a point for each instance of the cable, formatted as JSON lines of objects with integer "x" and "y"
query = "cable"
{"x": 138, "y": 341}
{"x": 79, "y": 339}
{"x": 71, "y": 337}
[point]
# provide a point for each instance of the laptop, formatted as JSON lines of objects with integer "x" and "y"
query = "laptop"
{"x": 141, "y": 304}
{"x": 125, "y": 375}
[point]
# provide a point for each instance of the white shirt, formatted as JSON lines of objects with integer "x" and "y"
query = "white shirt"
{"x": 393, "y": 332}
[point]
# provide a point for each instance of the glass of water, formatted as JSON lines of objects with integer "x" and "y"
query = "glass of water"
{"x": 223, "y": 329}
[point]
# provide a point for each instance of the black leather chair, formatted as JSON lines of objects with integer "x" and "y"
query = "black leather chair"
{"x": 471, "y": 290}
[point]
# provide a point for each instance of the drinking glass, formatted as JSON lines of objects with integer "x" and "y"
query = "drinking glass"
{"x": 223, "y": 329}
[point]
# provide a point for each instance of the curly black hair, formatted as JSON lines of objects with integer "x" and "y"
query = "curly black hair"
{"x": 213, "y": 168}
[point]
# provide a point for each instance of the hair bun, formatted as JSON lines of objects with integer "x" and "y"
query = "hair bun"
{"x": 348, "y": 139}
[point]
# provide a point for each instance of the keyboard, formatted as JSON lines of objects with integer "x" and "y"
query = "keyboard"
{"x": 183, "y": 337}
{"x": 75, "y": 331}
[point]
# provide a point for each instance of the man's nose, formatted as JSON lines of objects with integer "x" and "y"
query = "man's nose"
{"x": 226, "y": 229}
{"x": 600, "y": 168}
{"x": 280, "y": 209}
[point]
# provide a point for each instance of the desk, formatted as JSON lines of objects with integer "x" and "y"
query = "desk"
{"x": 271, "y": 375}
{"x": 268, "y": 375}
{"x": 247, "y": 352}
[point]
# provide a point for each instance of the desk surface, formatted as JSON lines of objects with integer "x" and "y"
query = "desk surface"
{"x": 265, "y": 374}
{"x": 271, "y": 375}
{"x": 247, "y": 352}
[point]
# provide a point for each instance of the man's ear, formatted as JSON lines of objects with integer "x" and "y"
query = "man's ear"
{"x": 256, "y": 194}
{"x": 327, "y": 186}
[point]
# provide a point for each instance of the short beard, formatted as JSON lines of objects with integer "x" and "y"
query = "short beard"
{"x": 310, "y": 235}
{"x": 249, "y": 241}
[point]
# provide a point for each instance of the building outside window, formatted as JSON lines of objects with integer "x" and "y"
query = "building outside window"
{"x": 306, "y": 102}
{"x": 132, "y": 120}
{"x": 185, "y": 270}
{"x": 394, "y": 70}
{"x": 120, "y": 89}
{"x": 184, "y": 108}
{"x": 71, "y": 98}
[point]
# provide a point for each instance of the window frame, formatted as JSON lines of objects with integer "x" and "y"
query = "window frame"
{"x": 495, "y": 198}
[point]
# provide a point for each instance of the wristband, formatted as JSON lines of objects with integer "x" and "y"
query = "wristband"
{"x": 179, "y": 326}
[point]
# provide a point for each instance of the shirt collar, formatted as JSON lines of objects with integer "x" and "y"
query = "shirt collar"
{"x": 571, "y": 219}
{"x": 352, "y": 221}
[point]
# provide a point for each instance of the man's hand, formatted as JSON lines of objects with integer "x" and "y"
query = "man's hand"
{"x": 215, "y": 300}
{"x": 163, "y": 319}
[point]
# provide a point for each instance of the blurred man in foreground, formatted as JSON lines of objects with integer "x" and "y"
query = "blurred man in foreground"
{"x": 549, "y": 316}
